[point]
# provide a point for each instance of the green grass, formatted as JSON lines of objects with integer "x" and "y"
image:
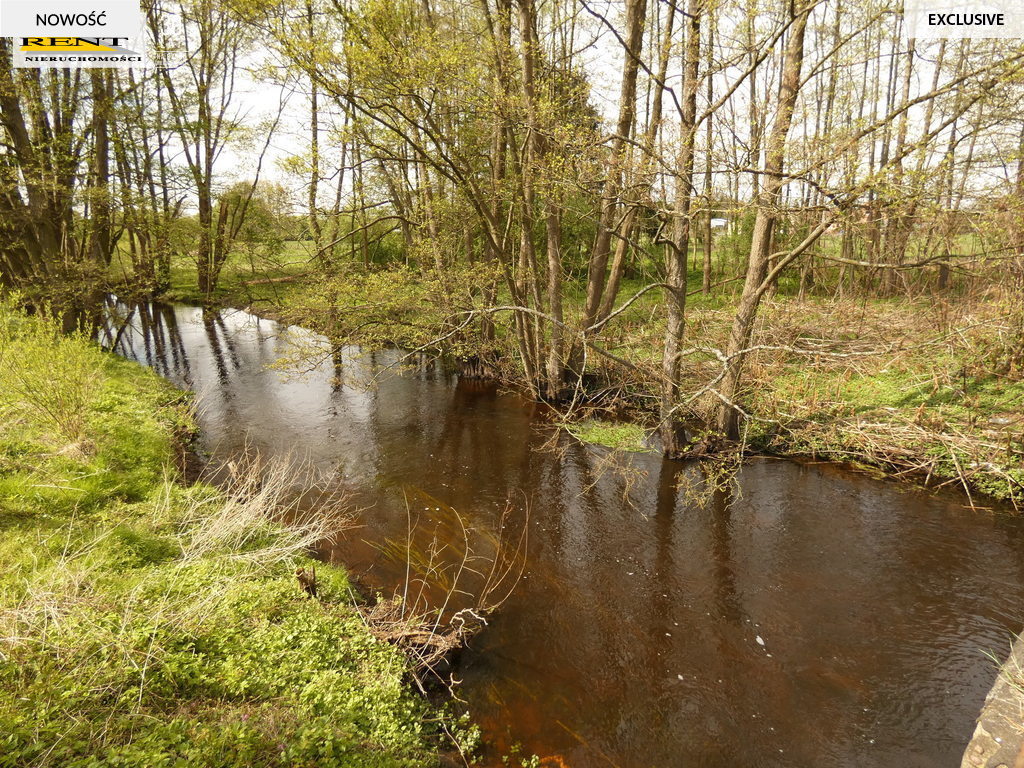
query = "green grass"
{"x": 622, "y": 436}
{"x": 145, "y": 623}
{"x": 244, "y": 282}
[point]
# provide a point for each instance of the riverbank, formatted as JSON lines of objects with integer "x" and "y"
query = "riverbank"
{"x": 998, "y": 740}
{"x": 917, "y": 389}
{"x": 146, "y": 622}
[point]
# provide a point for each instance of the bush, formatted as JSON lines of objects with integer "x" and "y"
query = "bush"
{"x": 45, "y": 378}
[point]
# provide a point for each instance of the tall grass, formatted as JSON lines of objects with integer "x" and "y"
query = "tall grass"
{"x": 46, "y": 378}
{"x": 267, "y": 510}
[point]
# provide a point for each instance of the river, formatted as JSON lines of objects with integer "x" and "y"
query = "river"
{"x": 808, "y": 616}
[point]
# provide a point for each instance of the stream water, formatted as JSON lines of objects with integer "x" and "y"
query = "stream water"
{"x": 809, "y": 617}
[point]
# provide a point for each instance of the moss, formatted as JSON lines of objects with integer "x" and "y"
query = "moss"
{"x": 123, "y": 646}
{"x": 622, "y": 436}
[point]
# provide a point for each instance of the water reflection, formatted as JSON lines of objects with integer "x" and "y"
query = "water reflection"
{"x": 805, "y": 617}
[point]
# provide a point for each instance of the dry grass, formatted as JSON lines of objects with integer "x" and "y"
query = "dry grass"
{"x": 920, "y": 389}
{"x": 283, "y": 498}
{"x": 257, "y": 520}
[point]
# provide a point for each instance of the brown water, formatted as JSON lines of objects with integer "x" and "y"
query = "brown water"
{"x": 813, "y": 618}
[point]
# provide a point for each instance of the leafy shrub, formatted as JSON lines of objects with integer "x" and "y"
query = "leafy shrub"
{"x": 46, "y": 378}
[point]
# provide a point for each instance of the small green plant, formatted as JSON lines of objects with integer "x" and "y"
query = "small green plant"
{"x": 516, "y": 759}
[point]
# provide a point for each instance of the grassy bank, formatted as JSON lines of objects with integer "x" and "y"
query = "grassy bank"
{"x": 916, "y": 388}
{"x": 146, "y": 623}
{"x": 919, "y": 389}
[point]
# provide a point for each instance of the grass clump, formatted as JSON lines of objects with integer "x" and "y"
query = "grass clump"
{"x": 145, "y": 623}
{"x": 621, "y": 436}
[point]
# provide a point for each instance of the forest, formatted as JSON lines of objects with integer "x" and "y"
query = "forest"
{"x": 549, "y": 193}
{"x": 692, "y": 229}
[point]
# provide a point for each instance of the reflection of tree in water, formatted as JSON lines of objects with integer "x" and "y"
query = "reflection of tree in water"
{"x": 147, "y": 332}
{"x": 229, "y": 338}
{"x": 338, "y": 368}
{"x": 719, "y": 508}
{"x": 665, "y": 512}
{"x": 177, "y": 344}
{"x": 117, "y": 318}
{"x": 213, "y": 323}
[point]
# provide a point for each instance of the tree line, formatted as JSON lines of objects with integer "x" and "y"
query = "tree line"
{"x": 548, "y": 163}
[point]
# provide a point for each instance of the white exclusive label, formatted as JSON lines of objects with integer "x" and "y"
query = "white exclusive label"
{"x": 944, "y": 18}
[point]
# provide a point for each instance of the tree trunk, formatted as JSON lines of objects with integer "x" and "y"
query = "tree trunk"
{"x": 709, "y": 144}
{"x": 100, "y": 240}
{"x": 314, "y": 145}
{"x": 636, "y": 12}
{"x": 677, "y": 250}
{"x": 767, "y": 213}
{"x": 626, "y": 230}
